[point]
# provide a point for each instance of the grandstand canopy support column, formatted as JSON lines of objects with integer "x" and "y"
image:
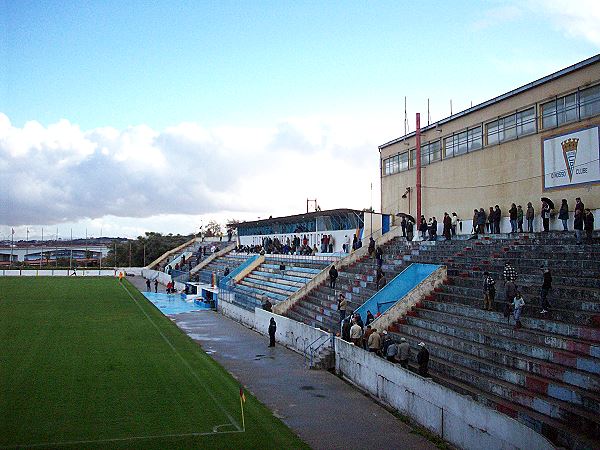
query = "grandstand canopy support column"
{"x": 418, "y": 150}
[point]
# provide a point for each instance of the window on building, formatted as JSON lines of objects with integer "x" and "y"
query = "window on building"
{"x": 390, "y": 165}
{"x": 559, "y": 111}
{"x": 430, "y": 152}
{"x": 449, "y": 147}
{"x": 463, "y": 142}
{"x": 589, "y": 101}
{"x": 526, "y": 122}
{"x": 403, "y": 161}
{"x": 474, "y": 139}
{"x": 509, "y": 127}
{"x": 413, "y": 158}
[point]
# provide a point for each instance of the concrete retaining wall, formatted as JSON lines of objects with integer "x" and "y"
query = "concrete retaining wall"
{"x": 456, "y": 418}
{"x": 65, "y": 272}
{"x": 236, "y": 313}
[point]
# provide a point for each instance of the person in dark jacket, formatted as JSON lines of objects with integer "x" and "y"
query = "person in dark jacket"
{"x": 333, "y": 274}
{"x": 272, "y": 330}
{"x": 489, "y": 223}
{"x": 475, "y": 221}
{"x": 346, "y": 330}
{"x": 529, "y": 215}
{"x": 370, "y": 317}
{"x": 497, "y": 218}
{"x": 578, "y": 225}
{"x": 588, "y": 223}
{"x": 481, "y": 218}
{"x": 520, "y": 218}
{"x": 379, "y": 257}
{"x": 546, "y": 286}
{"x": 423, "y": 228}
{"x": 423, "y": 359}
{"x": 545, "y": 216}
{"x": 403, "y": 226}
{"x": 563, "y": 214}
{"x": 434, "y": 226}
{"x": 512, "y": 215}
{"x": 447, "y": 226}
{"x": 156, "y": 285}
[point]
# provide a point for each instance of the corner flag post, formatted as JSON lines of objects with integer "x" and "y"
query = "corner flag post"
{"x": 242, "y": 401}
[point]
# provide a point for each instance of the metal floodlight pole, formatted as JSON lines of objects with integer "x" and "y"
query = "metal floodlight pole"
{"x": 418, "y": 139}
{"x": 12, "y": 246}
{"x": 115, "y": 255}
{"x": 71, "y": 252}
{"x": 42, "y": 253}
{"x": 371, "y": 209}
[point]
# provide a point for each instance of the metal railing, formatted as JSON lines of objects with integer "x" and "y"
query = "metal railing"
{"x": 313, "y": 348}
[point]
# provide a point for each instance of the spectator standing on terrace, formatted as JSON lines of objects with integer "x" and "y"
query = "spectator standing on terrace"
{"x": 475, "y": 229}
{"x": 366, "y": 336}
{"x": 423, "y": 359}
{"x": 267, "y": 305}
{"x": 403, "y": 353}
{"x": 148, "y": 284}
{"x": 489, "y": 291}
{"x": 342, "y": 306}
{"x": 578, "y": 225}
{"x": 512, "y": 214}
{"x": 454, "y": 223}
{"x": 588, "y": 221}
{"x": 272, "y": 330}
{"x": 333, "y": 274}
{"x": 510, "y": 291}
{"x": 497, "y": 218}
{"x": 546, "y": 286}
{"x": 517, "y": 306}
{"x": 423, "y": 227}
{"x": 510, "y": 273}
{"x": 563, "y": 214}
{"x": 370, "y": 317}
{"x": 403, "y": 226}
{"x": 381, "y": 279}
{"x": 226, "y": 271}
{"x": 356, "y": 334}
{"x": 229, "y": 234}
{"x": 346, "y": 330}
{"x": 371, "y": 247}
{"x": 155, "y": 285}
{"x": 520, "y": 218}
{"x": 530, "y": 215}
{"x": 379, "y": 257}
{"x": 447, "y": 226}
{"x": 579, "y": 205}
{"x": 374, "y": 342}
{"x": 409, "y": 231}
{"x": 354, "y": 242}
{"x": 545, "y": 216}
{"x": 388, "y": 347}
{"x": 480, "y": 221}
{"x": 489, "y": 223}
{"x": 359, "y": 321}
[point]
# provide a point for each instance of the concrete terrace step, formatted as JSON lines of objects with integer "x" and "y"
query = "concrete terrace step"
{"x": 283, "y": 280}
{"x": 259, "y": 294}
{"x": 269, "y": 286}
{"x": 506, "y": 352}
{"x": 559, "y": 335}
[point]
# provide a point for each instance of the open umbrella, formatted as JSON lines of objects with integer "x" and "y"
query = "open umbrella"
{"x": 408, "y": 217}
{"x": 550, "y": 202}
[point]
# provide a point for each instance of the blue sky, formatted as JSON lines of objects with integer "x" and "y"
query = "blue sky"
{"x": 317, "y": 82}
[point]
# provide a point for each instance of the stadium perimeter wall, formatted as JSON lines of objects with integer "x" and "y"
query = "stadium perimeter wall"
{"x": 454, "y": 417}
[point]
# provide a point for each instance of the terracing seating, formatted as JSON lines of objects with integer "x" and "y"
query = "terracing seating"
{"x": 276, "y": 282}
{"x": 546, "y": 374}
{"x": 356, "y": 281}
{"x": 218, "y": 265}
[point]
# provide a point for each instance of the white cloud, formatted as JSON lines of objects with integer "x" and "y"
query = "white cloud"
{"x": 137, "y": 177}
{"x": 497, "y": 15}
{"x": 576, "y": 19}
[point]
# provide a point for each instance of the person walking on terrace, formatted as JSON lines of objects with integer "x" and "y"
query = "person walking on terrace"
{"x": 272, "y": 330}
{"x": 530, "y": 215}
{"x": 489, "y": 292}
{"x": 423, "y": 359}
{"x": 148, "y": 284}
{"x": 520, "y": 218}
{"x": 379, "y": 257}
{"x": 371, "y": 248}
{"x": 563, "y": 214}
{"x": 342, "y": 306}
{"x": 333, "y": 274}
{"x": 517, "y": 306}
{"x": 512, "y": 213}
{"x": 546, "y": 286}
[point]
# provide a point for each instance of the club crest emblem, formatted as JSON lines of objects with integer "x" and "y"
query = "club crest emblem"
{"x": 569, "y": 148}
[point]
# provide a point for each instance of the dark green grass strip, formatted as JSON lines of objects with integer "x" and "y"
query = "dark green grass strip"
{"x": 91, "y": 362}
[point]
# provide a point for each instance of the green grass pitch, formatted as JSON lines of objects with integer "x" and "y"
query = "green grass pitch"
{"x": 90, "y": 363}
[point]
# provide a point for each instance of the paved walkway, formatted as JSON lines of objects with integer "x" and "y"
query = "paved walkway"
{"x": 323, "y": 410}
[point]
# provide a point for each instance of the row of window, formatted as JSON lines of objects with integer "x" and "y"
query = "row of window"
{"x": 576, "y": 106}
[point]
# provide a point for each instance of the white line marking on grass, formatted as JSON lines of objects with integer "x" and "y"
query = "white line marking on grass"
{"x": 125, "y": 439}
{"x": 231, "y": 419}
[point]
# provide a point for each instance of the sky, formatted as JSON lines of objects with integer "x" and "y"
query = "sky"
{"x": 118, "y": 118}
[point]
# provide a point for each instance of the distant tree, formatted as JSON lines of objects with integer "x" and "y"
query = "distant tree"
{"x": 232, "y": 224}
{"x": 213, "y": 229}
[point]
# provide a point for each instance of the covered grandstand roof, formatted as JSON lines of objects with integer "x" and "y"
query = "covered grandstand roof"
{"x": 297, "y": 217}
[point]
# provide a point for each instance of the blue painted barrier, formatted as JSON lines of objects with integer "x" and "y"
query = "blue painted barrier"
{"x": 396, "y": 289}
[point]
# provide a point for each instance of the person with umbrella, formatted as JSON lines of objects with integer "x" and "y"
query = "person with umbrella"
{"x": 547, "y": 205}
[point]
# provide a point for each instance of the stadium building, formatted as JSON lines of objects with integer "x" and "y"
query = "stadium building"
{"x": 539, "y": 140}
